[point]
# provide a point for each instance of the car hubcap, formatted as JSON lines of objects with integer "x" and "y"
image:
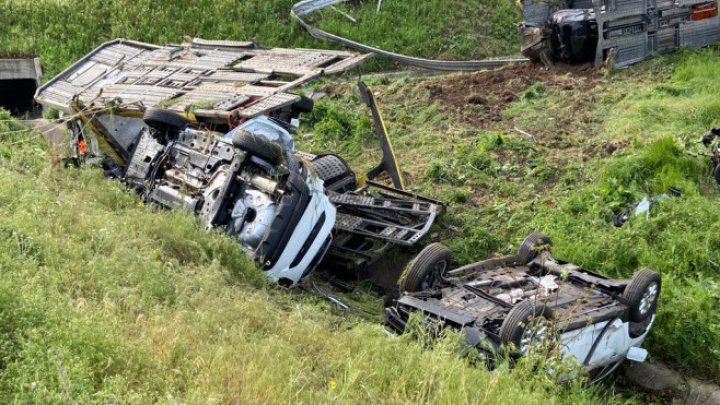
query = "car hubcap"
{"x": 533, "y": 334}
{"x": 648, "y": 298}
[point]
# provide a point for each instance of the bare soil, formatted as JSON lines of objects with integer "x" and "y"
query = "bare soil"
{"x": 479, "y": 98}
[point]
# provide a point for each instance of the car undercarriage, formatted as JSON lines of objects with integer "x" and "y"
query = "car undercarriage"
{"x": 530, "y": 301}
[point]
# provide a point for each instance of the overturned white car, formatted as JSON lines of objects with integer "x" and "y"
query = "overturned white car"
{"x": 529, "y": 301}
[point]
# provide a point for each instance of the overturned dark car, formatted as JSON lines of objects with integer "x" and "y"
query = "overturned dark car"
{"x": 622, "y": 32}
{"x": 529, "y": 301}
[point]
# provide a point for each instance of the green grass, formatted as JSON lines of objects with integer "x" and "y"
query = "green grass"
{"x": 103, "y": 300}
{"x": 62, "y": 31}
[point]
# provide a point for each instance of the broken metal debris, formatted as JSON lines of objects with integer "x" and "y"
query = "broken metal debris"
{"x": 531, "y": 302}
{"x": 621, "y": 32}
{"x": 712, "y": 141}
{"x": 335, "y": 300}
{"x": 644, "y": 206}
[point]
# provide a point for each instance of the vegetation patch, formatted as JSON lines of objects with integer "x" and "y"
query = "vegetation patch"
{"x": 60, "y": 32}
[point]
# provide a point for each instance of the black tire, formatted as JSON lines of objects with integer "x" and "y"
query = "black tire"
{"x": 161, "y": 120}
{"x": 522, "y": 316}
{"x": 532, "y": 246}
{"x": 304, "y": 105}
{"x": 427, "y": 269}
{"x": 642, "y": 294}
{"x": 258, "y": 146}
{"x": 335, "y": 173}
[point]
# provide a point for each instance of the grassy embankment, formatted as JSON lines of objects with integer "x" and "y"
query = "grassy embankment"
{"x": 60, "y": 32}
{"x": 105, "y": 300}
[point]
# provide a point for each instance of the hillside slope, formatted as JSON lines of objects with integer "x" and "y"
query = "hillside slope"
{"x": 103, "y": 300}
{"x": 60, "y": 32}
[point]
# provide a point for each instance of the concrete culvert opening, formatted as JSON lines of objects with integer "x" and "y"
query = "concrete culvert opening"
{"x": 19, "y": 78}
{"x": 16, "y": 96}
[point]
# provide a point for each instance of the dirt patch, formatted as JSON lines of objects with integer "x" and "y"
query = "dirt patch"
{"x": 660, "y": 380}
{"x": 479, "y": 98}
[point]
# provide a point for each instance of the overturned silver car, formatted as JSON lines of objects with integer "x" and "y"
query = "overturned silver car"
{"x": 207, "y": 127}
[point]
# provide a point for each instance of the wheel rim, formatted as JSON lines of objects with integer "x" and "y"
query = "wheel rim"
{"x": 534, "y": 334}
{"x": 436, "y": 276}
{"x": 648, "y": 299}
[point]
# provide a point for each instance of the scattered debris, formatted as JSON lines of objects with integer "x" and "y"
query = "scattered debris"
{"x": 712, "y": 141}
{"x": 520, "y": 131}
{"x": 644, "y": 206}
{"x": 531, "y": 302}
{"x": 335, "y": 300}
{"x": 344, "y": 14}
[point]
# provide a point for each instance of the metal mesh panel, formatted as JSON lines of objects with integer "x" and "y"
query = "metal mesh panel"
{"x": 697, "y": 34}
{"x": 637, "y": 29}
{"x": 222, "y": 74}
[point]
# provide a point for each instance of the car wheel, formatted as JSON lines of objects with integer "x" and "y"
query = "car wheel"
{"x": 642, "y": 294}
{"x": 428, "y": 269}
{"x": 258, "y": 146}
{"x": 162, "y": 120}
{"x": 526, "y": 326}
{"x": 532, "y": 246}
{"x": 335, "y": 172}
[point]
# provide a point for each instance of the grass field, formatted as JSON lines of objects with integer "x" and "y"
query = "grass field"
{"x": 60, "y": 31}
{"x": 105, "y": 300}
